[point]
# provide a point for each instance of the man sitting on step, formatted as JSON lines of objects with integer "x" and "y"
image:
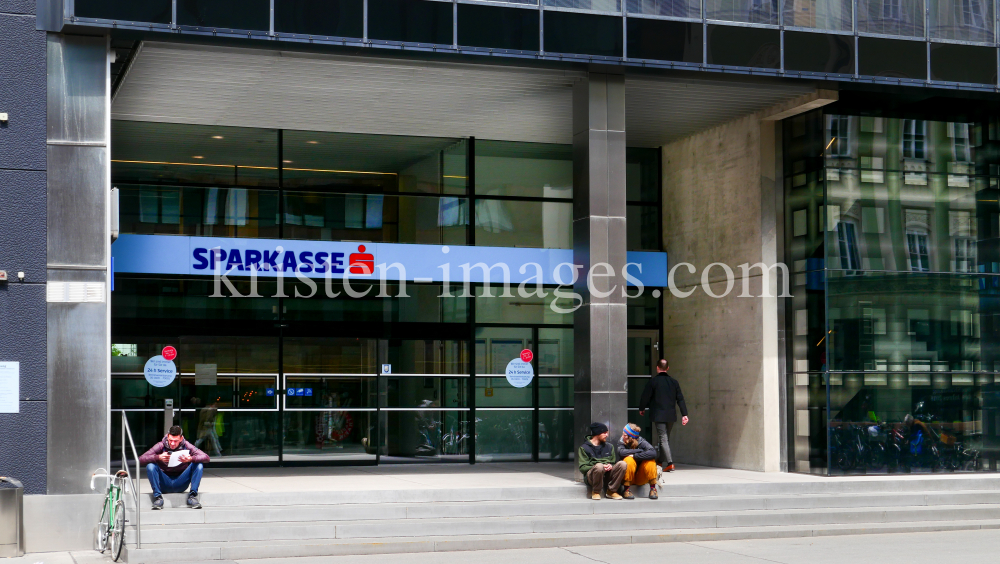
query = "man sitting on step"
{"x": 640, "y": 461}
{"x": 598, "y": 464}
{"x": 172, "y": 465}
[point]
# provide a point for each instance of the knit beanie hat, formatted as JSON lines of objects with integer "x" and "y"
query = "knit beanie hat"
{"x": 630, "y": 432}
{"x": 598, "y": 428}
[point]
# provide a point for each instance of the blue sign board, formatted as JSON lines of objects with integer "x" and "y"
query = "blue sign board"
{"x": 269, "y": 392}
{"x": 234, "y": 257}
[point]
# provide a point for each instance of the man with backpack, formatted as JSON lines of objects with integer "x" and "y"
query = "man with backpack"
{"x": 661, "y": 397}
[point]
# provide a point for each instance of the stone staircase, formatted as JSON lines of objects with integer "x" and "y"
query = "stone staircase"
{"x": 268, "y": 525}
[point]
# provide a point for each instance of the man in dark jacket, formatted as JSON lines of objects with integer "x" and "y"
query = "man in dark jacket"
{"x": 661, "y": 397}
{"x": 598, "y": 463}
{"x": 640, "y": 461}
{"x": 186, "y": 471}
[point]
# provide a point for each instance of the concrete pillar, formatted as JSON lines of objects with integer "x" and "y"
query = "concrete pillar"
{"x": 599, "y": 325}
{"x": 79, "y": 250}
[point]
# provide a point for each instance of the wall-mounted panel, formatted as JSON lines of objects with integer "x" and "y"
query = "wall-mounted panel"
{"x": 226, "y": 14}
{"x": 892, "y": 58}
{"x": 665, "y": 40}
{"x": 744, "y": 47}
{"x": 334, "y": 18}
{"x": 152, "y": 11}
{"x": 817, "y": 52}
{"x": 497, "y": 27}
{"x": 964, "y": 63}
{"x": 410, "y": 21}
{"x": 585, "y": 34}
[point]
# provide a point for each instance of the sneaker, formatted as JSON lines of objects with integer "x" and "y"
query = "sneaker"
{"x": 627, "y": 494}
{"x": 193, "y": 500}
{"x": 158, "y": 502}
{"x": 652, "y": 493}
{"x": 612, "y": 495}
{"x": 595, "y": 496}
{"x": 669, "y": 467}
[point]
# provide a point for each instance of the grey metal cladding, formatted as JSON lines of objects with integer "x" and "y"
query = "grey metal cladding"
{"x": 76, "y": 205}
{"x": 23, "y": 445}
{"x": 77, "y": 89}
{"x": 22, "y": 93}
{"x": 78, "y": 394}
{"x": 22, "y": 310}
{"x": 22, "y": 222}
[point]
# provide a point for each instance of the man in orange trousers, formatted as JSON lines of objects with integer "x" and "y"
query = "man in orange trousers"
{"x": 640, "y": 460}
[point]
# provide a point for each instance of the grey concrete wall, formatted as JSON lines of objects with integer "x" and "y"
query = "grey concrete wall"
{"x": 61, "y": 522}
{"x": 23, "y": 239}
{"x": 715, "y": 211}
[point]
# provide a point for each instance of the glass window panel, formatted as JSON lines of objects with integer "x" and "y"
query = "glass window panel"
{"x": 965, "y": 20}
{"x": 160, "y": 153}
{"x": 329, "y": 435}
{"x": 892, "y": 58}
{"x": 891, "y": 17}
{"x": 423, "y": 392}
{"x": 744, "y": 46}
{"x": 428, "y": 356}
{"x": 363, "y": 163}
{"x": 496, "y": 391}
{"x": 532, "y": 309}
{"x": 496, "y": 346}
{"x": 503, "y": 436}
{"x": 134, "y": 391}
{"x": 425, "y": 435}
{"x": 322, "y": 355}
{"x": 642, "y": 228}
{"x": 664, "y": 40}
{"x": 339, "y": 392}
{"x": 410, "y": 21}
{"x": 555, "y": 435}
{"x": 963, "y": 63}
{"x": 536, "y": 170}
{"x": 642, "y": 353}
{"x": 232, "y": 14}
{"x": 642, "y": 171}
{"x": 555, "y": 392}
{"x": 833, "y": 15}
{"x": 754, "y": 11}
{"x": 223, "y": 394}
{"x": 508, "y": 223}
{"x": 421, "y": 304}
{"x": 154, "y": 11}
{"x": 814, "y": 52}
{"x": 336, "y": 18}
{"x": 241, "y": 435}
{"x": 584, "y": 34}
{"x": 206, "y": 212}
{"x": 555, "y": 351}
{"x": 498, "y": 28}
{"x": 643, "y": 310}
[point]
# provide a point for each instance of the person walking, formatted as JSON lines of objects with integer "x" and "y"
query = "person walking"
{"x": 662, "y": 396}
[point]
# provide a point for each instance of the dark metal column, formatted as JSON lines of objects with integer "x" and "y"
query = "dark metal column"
{"x": 600, "y": 324}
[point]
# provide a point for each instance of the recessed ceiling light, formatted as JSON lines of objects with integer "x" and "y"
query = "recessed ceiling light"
{"x": 217, "y": 137}
{"x": 287, "y": 162}
{"x": 197, "y": 157}
{"x": 313, "y": 142}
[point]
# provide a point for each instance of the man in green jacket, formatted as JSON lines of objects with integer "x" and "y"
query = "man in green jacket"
{"x": 598, "y": 463}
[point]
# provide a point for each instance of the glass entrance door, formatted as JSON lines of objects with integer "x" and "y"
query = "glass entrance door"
{"x": 643, "y": 348}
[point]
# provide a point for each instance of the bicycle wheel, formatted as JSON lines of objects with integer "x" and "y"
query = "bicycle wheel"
{"x": 118, "y": 532}
{"x": 103, "y": 526}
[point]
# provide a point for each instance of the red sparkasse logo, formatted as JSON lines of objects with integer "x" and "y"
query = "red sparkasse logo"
{"x": 362, "y": 262}
{"x": 169, "y": 353}
{"x": 526, "y": 355}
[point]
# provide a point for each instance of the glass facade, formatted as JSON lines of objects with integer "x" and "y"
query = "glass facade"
{"x": 295, "y": 380}
{"x": 891, "y": 234}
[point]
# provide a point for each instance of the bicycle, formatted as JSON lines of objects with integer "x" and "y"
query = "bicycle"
{"x": 112, "y": 522}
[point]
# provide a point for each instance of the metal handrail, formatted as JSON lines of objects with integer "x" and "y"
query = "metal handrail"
{"x": 127, "y": 431}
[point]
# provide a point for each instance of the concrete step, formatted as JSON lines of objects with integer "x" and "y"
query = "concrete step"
{"x": 595, "y": 523}
{"x": 269, "y": 548}
{"x": 897, "y": 483}
{"x": 579, "y": 506}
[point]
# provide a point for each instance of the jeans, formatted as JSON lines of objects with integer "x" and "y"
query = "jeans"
{"x": 663, "y": 432}
{"x": 162, "y": 483}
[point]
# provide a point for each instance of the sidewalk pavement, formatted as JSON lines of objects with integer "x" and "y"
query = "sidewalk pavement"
{"x": 953, "y": 547}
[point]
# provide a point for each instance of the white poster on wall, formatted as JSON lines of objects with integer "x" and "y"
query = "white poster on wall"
{"x": 206, "y": 374}
{"x": 10, "y": 386}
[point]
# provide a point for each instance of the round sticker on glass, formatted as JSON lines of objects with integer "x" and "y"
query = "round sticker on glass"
{"x": 160, "y": 372}
{"x": 519, "y": 373}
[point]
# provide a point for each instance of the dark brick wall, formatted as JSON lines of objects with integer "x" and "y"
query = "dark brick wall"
{"x": 23, "y": 239}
